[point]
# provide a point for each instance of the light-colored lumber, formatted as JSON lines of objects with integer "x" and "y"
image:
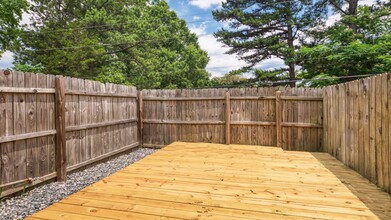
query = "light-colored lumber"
{"x": 214, "y": 181}
{"x": 28, "y": 90}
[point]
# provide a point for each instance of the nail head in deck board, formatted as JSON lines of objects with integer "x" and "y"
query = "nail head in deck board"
{"x": 61, "y": 162}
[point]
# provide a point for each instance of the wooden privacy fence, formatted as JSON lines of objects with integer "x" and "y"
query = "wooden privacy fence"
{"x": 50, "y": 125}
{"x": 290, "y": 118}
{"x": 358, "y": 126}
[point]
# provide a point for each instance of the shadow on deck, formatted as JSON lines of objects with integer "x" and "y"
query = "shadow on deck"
{"x": 375, "y": 199}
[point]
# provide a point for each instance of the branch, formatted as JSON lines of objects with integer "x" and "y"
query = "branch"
{"x": 102, "y": 5}
{"x": 127, "y": 47}
{"x": 337, "y": 7}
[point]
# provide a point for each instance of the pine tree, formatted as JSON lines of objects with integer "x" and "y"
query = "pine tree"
{"x": 259, "y": 30}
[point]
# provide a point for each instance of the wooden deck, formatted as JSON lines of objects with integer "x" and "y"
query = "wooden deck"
{"x": 212, "y": 181}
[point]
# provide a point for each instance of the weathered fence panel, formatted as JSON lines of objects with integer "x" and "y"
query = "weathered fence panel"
{"x": 243, "y": 115}
{"x": 351, "y": 121}
{"x": 101, "y": 119}
{"x": 97, "y": 121}
{"x": 27, "y": 128}
{"x": 185, "y": 115}
{"x": 302, "y": 119}
{"x": 357, "y": 132}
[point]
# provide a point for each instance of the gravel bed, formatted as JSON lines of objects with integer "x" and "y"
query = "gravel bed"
{"x": 39, "y": 198}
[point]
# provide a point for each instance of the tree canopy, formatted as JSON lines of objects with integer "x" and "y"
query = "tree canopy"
{"x": 10, "y": 15}
{"x": 344, "y": 52}
{"x": 296, "y": 32}
{"x": 259, "y": 30}
{"x": 137, "y": 42}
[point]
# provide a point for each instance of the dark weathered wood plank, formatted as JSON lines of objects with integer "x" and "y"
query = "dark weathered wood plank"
{"x": 6, "y": 129}
{"x": 19, "y": 111}
{"x": 61, "y": 161}
{"x": 278, "y": 118}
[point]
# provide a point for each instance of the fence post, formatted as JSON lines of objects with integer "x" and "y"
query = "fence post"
{"x": 227, "y": 118}
{"x": 60, "y": 148}
{"x": 278, "y": 118}
{"x": 140, "y": 116}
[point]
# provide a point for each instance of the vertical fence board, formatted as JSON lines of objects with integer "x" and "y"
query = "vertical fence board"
{"x": 7, "y": 169}
{"x": 372, "y": 127}
{"x": 389, "y": 129}
{"x": 61, "y": 151}
{"x": 51, "y": 124}
{"x": 363, "y": 134}
{"x": 278, "y": 118}
{"x": 19, "y": 107}
{"x": 31, "y": 126}
{"x": 43, "y": 125}
{"x": 384, "y": 131}
{"x": 378, "y": 125}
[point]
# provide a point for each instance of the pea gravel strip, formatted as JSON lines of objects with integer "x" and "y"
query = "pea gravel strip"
{"x": 41, "y": 197}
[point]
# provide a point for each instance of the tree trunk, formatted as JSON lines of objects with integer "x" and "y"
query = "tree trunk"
{"x": 352, "y": 10}
{"x": 353, "y": 4}
{"x": 292, "y": 74}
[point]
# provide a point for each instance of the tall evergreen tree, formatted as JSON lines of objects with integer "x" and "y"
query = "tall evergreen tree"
{"x": 259, "y": 30}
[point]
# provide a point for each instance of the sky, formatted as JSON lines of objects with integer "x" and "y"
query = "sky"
{"x": 198, "y": 15}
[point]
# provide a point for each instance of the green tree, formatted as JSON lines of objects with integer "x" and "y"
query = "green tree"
{"x": 346, "y": 52}
{"x": 10, "y": 15}
{"x": 260, "y": 30}
{"x": 138, "y": 42}
{"x": 232, "y": 80}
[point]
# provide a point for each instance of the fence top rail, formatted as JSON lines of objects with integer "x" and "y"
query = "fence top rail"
{"x": 102, "y": 94}
{"x": 286, "y": 98}
{"x": 26, "y": 90}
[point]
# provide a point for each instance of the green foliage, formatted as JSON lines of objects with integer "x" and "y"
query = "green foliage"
{"x": 10, "y": 15}
{"x": 347, "y": 52}
{"x": 29, "y": 68}
{"x": 231, "y": 80}
{"x": 260, "y": 30}
{"x": 137, "y": 42}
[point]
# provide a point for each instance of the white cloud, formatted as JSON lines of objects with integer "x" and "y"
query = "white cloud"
{"x": 25, "y": 18}
{"x": 195, "y": 18}
{"x": 6, "y": 60}
{"x": 205, "y": 4}
{"x": 219, "y": 63}
{"x": 200, "y": 30}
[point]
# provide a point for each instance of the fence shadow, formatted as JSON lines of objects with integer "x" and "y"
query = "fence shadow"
{"x": 378, "y": 201}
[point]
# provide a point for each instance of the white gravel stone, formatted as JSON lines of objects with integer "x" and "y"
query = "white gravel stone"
{"x": 41, "y": 197}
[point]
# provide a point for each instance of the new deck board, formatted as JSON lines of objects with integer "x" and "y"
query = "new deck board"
{"x": 215, "y": 181}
